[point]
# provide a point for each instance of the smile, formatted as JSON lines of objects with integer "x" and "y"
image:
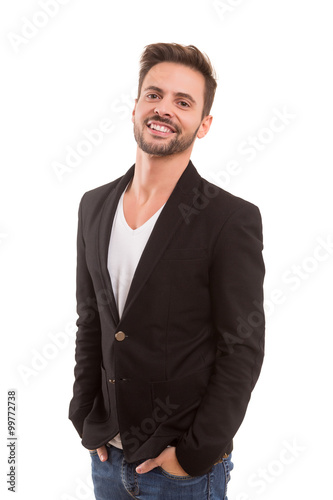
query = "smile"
{"x": 158, "y": 129}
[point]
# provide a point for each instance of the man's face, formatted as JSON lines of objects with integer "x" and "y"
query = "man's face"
{"x": 167, "y": 115}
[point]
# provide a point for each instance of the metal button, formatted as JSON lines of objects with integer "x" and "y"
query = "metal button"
{"x": 112, "y": 381}
{"x": 120, "y": 336}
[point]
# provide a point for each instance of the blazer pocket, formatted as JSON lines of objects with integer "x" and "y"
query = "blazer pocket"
{"x": 184, "y": 254}
{"x": 101, "y": 409}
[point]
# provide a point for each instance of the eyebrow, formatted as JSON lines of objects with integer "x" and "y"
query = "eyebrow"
{"x": 177, "y": 94}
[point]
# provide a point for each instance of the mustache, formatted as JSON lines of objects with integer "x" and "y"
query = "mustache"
{"x": 165, "y": 121}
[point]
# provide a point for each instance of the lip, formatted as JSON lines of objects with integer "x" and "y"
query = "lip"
{"x": 161, "y": 124}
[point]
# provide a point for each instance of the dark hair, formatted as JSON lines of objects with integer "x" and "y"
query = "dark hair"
{"x": 188, "y": 55}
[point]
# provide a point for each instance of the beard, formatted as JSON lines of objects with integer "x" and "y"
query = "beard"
{"x": 173, "y": 144}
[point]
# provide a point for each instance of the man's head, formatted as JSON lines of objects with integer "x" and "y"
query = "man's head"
{"x": 176, "y": 90}
{"x": 187, "y": 55}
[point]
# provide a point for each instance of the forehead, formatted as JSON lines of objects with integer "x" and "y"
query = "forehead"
{"x": 176, "y": 78}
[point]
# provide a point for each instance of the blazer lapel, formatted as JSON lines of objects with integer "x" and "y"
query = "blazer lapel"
{"x": 104, "y": 233}
{"x": 167, "y": 223}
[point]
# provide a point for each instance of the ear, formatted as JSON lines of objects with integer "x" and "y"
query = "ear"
{"x": 133, "y": 112}
{"x": 205, "y": 126}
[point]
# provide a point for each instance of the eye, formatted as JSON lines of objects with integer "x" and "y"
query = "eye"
{"x": 184, "y": 104}
{"x": 152, "y": 96}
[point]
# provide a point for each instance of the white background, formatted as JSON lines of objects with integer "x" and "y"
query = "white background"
{"x": 80, "y": 68}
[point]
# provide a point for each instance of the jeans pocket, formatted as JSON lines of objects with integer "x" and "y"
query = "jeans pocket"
{"x": 174, "y": 476}
{"x": 93, "y": 452}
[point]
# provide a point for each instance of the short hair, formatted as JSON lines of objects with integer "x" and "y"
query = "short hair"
{"x": 188, "y": 55}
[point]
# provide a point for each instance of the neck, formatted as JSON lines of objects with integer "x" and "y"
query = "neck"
{"x": 156, "y": 176}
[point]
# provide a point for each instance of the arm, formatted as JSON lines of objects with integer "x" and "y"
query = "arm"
{"x": 88, "y": 338}
{"x": 236, "y": 287}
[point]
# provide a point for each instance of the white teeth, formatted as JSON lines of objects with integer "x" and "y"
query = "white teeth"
{"x": 159, "y": 128}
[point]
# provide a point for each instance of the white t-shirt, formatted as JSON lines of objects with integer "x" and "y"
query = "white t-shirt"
{"x": 125, "y": 248}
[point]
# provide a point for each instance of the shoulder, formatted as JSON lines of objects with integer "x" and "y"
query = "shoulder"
{"x": 94, "y": 199}
{"x": 101, "y": 192}
{"x": 222, "y": 205}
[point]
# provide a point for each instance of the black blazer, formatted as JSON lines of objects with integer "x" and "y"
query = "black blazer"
{"x": 179, "y": 366}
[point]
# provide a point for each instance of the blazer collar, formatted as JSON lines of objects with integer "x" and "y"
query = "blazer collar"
{"x": 166, "y": 224}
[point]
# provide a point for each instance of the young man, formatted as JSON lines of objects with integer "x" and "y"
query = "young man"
{"x": 170, "y": 273}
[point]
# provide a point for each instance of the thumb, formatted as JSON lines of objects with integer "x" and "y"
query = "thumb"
{"x": 102, "y": 453}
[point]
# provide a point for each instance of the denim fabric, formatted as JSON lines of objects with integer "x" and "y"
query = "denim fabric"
{"x": 115, "y": 479}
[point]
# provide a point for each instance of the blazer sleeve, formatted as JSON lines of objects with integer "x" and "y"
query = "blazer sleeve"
{"x": 236, "y": 287}
{"x": 88, "y": 355}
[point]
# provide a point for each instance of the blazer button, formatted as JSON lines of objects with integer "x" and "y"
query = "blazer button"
{"x": 120, "y": 336}
{"x": 112, "y": 381}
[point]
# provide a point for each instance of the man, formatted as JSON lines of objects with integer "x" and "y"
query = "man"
{"x": 170, "y": 273}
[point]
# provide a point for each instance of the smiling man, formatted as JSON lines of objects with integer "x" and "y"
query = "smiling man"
{"x": 170, "y": 339}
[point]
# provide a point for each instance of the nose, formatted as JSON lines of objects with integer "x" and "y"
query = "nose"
{"x": 164, "y": 108}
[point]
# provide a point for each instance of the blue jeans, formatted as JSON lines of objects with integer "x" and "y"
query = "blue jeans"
{"x": 115, "y": 479}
